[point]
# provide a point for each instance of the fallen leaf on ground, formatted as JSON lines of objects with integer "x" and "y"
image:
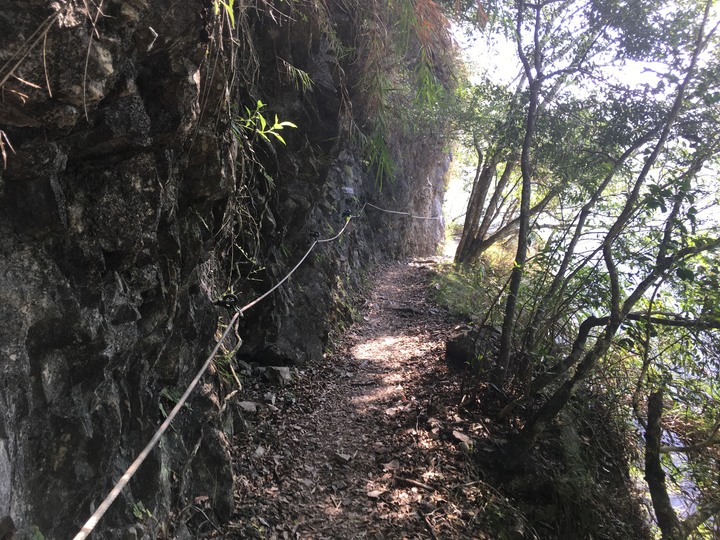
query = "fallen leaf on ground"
{"x": 460, "y": 436}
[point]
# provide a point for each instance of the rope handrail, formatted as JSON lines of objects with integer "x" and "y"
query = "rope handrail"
{"x": 132, "y": 469}
{"x": 401, "y": 213}
{"x": 92, "y": 522}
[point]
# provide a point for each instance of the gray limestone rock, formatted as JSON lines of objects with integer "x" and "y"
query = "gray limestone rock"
{"x": 279, "y": 375}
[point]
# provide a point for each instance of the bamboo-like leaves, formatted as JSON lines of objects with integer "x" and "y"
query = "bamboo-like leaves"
{"x": 255, "y": 123}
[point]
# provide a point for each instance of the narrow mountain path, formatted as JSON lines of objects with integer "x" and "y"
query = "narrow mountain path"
{"x": 369, "y": 443}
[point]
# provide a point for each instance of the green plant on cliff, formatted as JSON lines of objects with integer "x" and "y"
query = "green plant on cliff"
{"x": 227, "y": 7}
{"x": 255, "y": 123}
{"x": 300, "y": 79}
{"x": 140, "y": 512}
{"x": 171, "y": 394}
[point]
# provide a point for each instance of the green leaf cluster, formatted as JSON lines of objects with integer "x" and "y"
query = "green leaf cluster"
{"x": 226, "y": 6}
{"x": 255, "y": 123}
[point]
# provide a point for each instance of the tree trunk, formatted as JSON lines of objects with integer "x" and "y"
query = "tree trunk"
{"x": 664, "y": 262}
{"x": 479, "y": 241}
{"x": 493, "y": 207}
{"x": 535, "y": 83}
{"x": 507, "y": 229}
{"x": 523, "y": 233}
{"x": 524, "y": 442}
{"x": 472, "y": 215}
{"x": 471, "y": 228}
{"x": 559, "y": 279}
{"x": 667, "y": 519}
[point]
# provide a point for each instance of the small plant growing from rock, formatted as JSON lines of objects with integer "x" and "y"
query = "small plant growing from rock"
{"x": 227, "y": 7}
{"x": 140, "y": 512}
{"x": 255, "y": 123}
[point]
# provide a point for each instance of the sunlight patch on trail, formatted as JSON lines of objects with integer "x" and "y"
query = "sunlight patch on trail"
{"x": 378, "y": 396}
{"x": 376, "y": 348}
{"x": 383, "y": 358}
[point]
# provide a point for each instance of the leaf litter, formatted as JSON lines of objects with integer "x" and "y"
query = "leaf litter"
{"x": 373, "y": 444}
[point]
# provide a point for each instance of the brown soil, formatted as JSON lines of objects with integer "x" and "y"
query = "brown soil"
{"x": 369, "y": 444}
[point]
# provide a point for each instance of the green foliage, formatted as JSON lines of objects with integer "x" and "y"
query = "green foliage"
{"x": 460, "y": 290}
{"x": 225, "y": 369}
{"x": 172, "y": 395}
{"x": 255, "y": 123}
{"x": 630, "y": 237}
{"x": 378, "y": 156}
{"x": 299, "y": 78}
{"x": 405, "y": 54}
{"x": 228, "y": 7}
{"x": 471, "y": 292}
{"x": 36, "y": 534}
{"x": 140, "y": 512}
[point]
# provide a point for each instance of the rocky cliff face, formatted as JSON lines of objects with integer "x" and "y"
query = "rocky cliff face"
{"x": 127, "y": 206}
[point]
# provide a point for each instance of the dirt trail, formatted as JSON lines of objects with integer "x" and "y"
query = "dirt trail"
{"x": 369, "y": 444}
